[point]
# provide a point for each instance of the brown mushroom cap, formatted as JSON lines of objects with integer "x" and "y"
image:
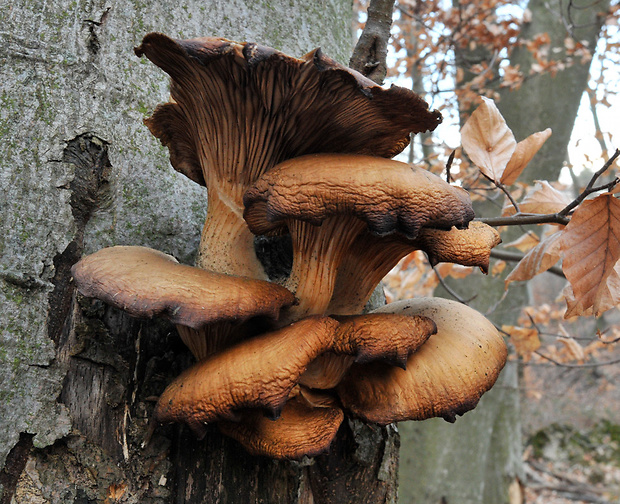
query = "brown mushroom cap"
{"x": 256, "y": 373}
{"x": 386, "y": 337}
{"x": 300, "y": 431}
{"x": 387, "y": 195}
{"x": 261, "y": 372}
{"x": 147, "y": 283}
{"x": 444, "y": 378}
{"x": 326, "y": 201}
{"x": 371, "y": 258}
{"x": 267, "y": 107}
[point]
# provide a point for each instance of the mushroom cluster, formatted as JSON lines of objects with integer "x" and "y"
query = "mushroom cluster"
{"x": 302, "y": 147}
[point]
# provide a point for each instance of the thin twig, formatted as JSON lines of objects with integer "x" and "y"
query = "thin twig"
{"x": 370, "y": 53}
{"x": 523, "y": 219}
{"x": 505, "y": 255}
{"x": 584, "y": 365}
{"x": 590, "y": 187}
{"x": 451, "y": 291}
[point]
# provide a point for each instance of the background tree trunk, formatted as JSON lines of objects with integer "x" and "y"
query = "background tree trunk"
{"x": 79, "y": 172}
{"x": 478, "y": 460}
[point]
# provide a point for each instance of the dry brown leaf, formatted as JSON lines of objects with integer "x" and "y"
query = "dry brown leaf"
{"x": 525, "y": 242}
{"x": 542, "y": 199}
{"x": 488, "y": 140}
{"x": 498, "y": 268}
{"x": 573, "y": 349}
{"x": 523, "y": 154}
{"x": 590, "y": 245}
{"x": 537, "y": 260}
{"x": 524, "y": 339}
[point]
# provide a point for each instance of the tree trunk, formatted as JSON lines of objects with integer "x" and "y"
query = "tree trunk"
{"x": 79, "y": 172}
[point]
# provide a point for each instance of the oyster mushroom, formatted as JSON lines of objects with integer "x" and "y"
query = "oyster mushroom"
{"x": 237, "y": 110}
{"x": 445, "y": 377}
{"x": 206, "y": 306}
{"x": 301, "y": 430}
{"x": 327, "y": 201}
{"x": 262, "y": 372}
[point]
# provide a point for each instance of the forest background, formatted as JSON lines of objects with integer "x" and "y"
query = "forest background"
{"x": 80, "y": 171}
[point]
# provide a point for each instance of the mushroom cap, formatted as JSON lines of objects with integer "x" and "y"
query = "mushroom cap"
{"x": 386, "y": 337}
{"x": 469, "y": 247}
{"x": 388, "y": 195}
{"x": 445, "y": 377}
{"x": 147, "y": 283}
{"x": 271, "y": 107}
{"x": 257, "y": 373}
{"x": 301, "y": 430}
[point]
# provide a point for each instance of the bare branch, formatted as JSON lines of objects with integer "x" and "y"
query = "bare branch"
{"x": 505, "y": 255}
{"x": 370, "y": 52}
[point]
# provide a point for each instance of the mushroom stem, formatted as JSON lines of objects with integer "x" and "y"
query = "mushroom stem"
{"x": 226, "y": 244}
{"x": 208, "y": 340}
{"x": 317, "y": 254}
{"x": 369, "y": 260}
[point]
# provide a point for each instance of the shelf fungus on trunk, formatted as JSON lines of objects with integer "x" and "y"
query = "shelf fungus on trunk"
{"x": 236, "y": 110}
{"x": 327, "y": 201}
{"x": 260, "y": 375}
{"x": 445, "y": 377}
{"x": 147, "y": 283}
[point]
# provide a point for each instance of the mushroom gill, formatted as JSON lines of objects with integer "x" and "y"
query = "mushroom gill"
{"x": 237, "y": 110}
{"x": 326, "y": 201}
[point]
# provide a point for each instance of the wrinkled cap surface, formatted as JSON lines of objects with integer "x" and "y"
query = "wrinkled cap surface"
{"x": 445, "y": 377}
{"x": 389, "y": 196}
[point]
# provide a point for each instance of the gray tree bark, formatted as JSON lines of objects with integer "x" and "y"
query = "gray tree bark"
{"x": 79, "y": 171}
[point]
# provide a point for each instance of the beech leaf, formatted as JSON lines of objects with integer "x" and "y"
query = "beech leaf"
{"x": 525, "y": 243}
{"x": 523, "y": 154}
{"x": 539, "y": 259}
{"x": 590, "y": 245}
{"x": 488, "y": 140}
{"x": 525, "y": 339}
{"x": 542, "y": 199}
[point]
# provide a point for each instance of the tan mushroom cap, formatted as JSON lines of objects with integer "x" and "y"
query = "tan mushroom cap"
{"x": 444, "y": 378}
{"x": 387, "y": 195}
{"x": 256, "y": 373}
{"x": 261, "y": 372}
{"x": 371, "y": 258}
{"x": 301, "y": 430}
{"x": 386, "y": 337}
{"x": 147, "y": 283}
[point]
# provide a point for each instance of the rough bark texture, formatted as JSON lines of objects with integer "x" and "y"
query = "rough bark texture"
{"x": 79, "y": 171}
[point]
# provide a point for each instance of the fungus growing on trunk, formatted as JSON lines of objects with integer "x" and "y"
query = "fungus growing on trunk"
{"x": 372, "y": 257}
{"x": 327, "y": 201}
{"x": 301, "y": 143}
{"x": 237, "y": 110}
{"x": 147, "y": 283}
{"x": 261, "y": 372}
{"x": 444, "y": 378}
